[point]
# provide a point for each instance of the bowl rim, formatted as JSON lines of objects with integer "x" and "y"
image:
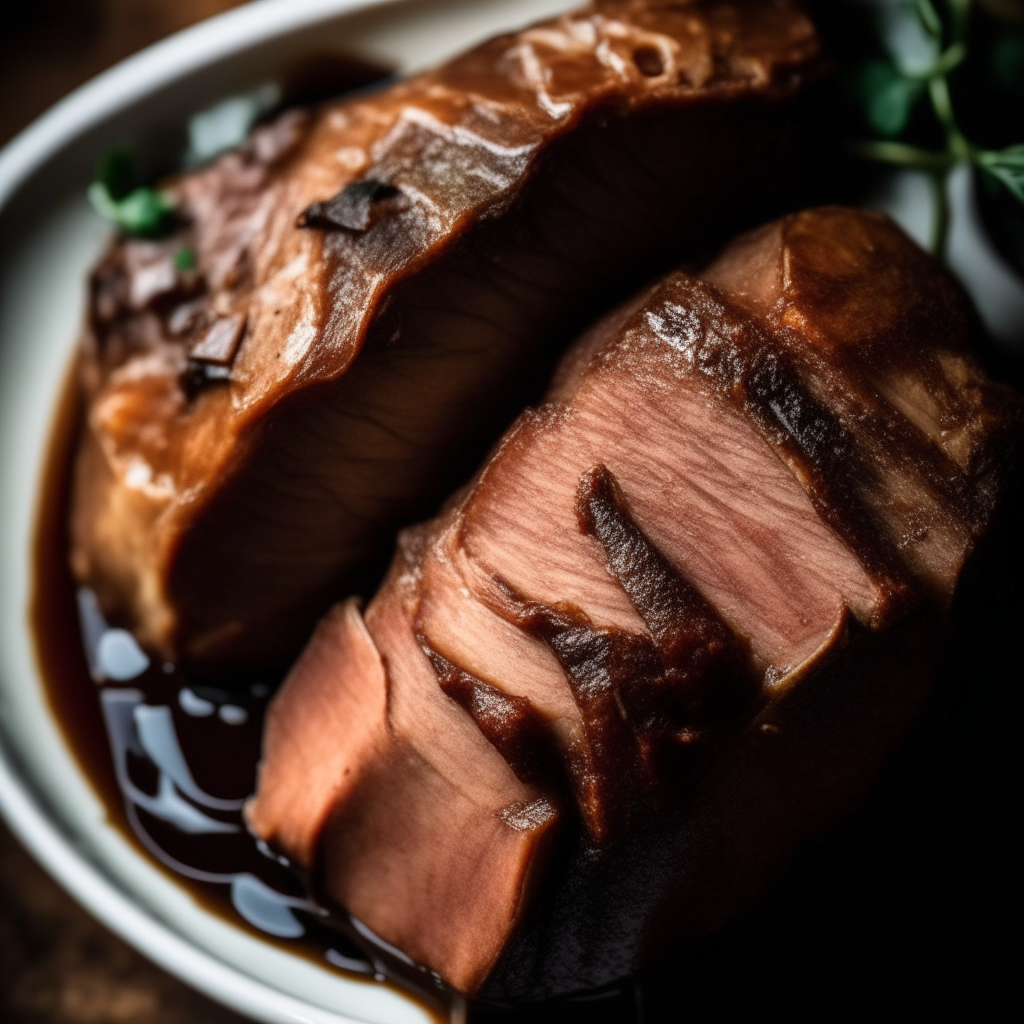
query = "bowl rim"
{"x": 118, "y": 912}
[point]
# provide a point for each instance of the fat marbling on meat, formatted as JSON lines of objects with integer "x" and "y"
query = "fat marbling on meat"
{"x": 671, "y": 629}
{"x": 378, "y": 286}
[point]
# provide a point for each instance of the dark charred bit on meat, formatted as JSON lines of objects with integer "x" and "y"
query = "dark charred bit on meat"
{"x": 825, "y": 456}
{"x": 706, "y": 672}
{"x": 354, "y": 208}
{"x": 600, "y": 665}
{"x": 509, "y": 722}
{"x": 199, "y": 376}
{"x": 688, "y": 632}
{"x": 210, "y": 358}
{"x": 220, "y": 343}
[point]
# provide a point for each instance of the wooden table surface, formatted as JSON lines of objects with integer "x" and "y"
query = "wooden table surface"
{"x": 58, "y": 965}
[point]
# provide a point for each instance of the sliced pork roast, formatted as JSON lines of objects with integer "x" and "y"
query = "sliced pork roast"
{"x": 377, "y": 283}
{"x": 670, "y": 630}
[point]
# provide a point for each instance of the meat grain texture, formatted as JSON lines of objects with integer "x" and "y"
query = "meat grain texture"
{"x": 377, "y": 284}
{"x": 671, "y": 630}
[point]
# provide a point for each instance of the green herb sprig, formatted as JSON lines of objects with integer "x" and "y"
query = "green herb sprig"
{"x": 185, "y": 258}
{"x": 890, "y": 93}
{"x": 117, "y": 197}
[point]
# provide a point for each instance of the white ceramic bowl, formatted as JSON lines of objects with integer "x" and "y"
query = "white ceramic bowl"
{"x": 48, "y": 238}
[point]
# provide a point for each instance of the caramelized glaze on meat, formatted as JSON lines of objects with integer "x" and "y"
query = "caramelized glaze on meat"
{"x": 377, "y": 284}
{"x": 689, "y": 604}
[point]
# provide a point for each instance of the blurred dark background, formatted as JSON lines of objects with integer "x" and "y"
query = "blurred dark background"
{"x": 58, "y": 965}
{"x": 48, "y": 47}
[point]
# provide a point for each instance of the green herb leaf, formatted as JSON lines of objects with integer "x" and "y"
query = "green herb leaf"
{"x": 888, "y": 96}
{"x": 142, "y": 211}
{"x": 117, "y": 196}
{"x": 116, "y": 172}
{"x": 931, "y": 22}
{"x": 185, "y": 258}
{"x": 1007, "y": 166}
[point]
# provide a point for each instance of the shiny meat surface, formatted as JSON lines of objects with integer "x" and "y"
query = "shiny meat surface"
{"x": 691, "y": 603}
{"x": 379, "y": 285}
{"x": 394, "y": 762}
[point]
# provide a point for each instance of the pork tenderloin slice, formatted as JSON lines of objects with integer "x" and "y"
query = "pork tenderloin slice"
{"x": 436, "y": 874}
{"x": 406, "y": 814}
{"x": 466, "y": 632}
{"x": 729, "y": 704}
{"x": 477, "y": 211}
{"x": 328, "y": 728}
{"x": 692, "y": 468}
{"x": 519, "y": 535}
{"x": 419, "y": 713}
{"x": 916, "y": 409}
{"x": 595, "y": 747}
{"x": 492, "y": 647}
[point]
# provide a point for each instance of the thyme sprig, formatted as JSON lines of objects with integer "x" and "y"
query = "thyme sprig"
{"x": 892, "y": 89}
{"x": 117, "y": 197}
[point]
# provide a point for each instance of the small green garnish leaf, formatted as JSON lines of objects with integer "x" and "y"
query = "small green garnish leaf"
{"x": 1007, "y": 166}
{"x": 142, "y": 212}
{"x": 185, "y": 258}
{"x": 116, "y": 173}
{"x": 930, "y": 20}
{"x": 888, "y": 96}
{"x": 117, "y": 196}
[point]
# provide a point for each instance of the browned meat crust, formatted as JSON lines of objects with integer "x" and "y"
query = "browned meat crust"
{"x": 684, "y": 611}
{"x": 261, "y": 424}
